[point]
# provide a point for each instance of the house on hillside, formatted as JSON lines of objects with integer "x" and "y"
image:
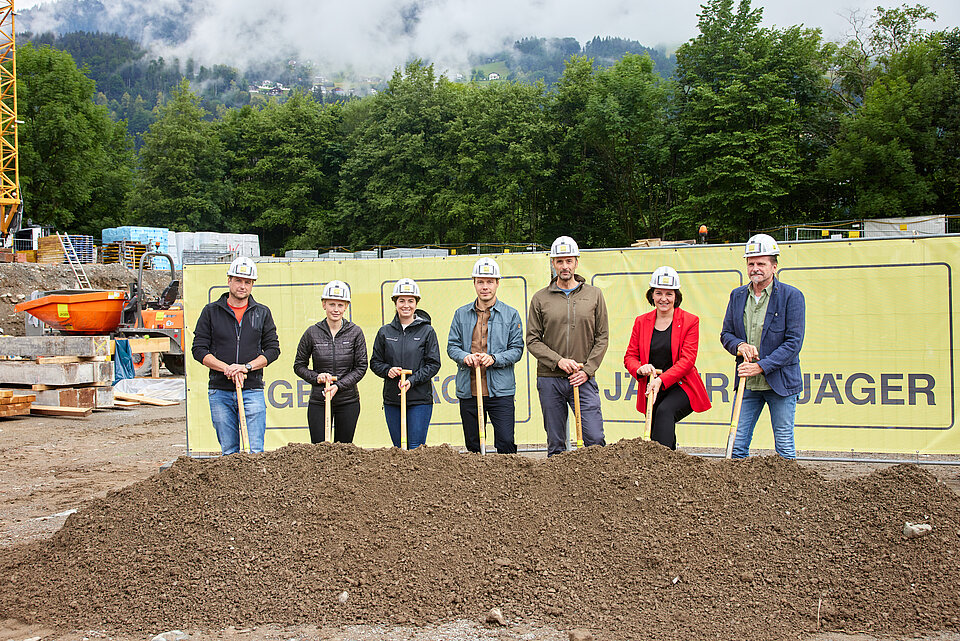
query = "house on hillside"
{"x": 493, "y": 76}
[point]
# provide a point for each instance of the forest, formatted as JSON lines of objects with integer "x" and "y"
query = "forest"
{"x": 753, "y": 128}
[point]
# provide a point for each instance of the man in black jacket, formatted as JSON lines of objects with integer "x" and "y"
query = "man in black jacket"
{"x": 236, "y": 338}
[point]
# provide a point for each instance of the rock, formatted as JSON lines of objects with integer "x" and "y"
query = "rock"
{"x": 916, "y": 530}
{"x": 495, "y": 615}
{"x": 552, "y": 611}
{"x": 580, "y": 635}
{"x": 172, "y": 635}
{"x": 343, "y": 597}
{"x": 747, "y": 577}
{"x": 502, "y": 561}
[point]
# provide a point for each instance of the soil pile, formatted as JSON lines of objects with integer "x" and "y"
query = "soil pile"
{"x": 632, "y": 541}
{"x": 20, "y": 279}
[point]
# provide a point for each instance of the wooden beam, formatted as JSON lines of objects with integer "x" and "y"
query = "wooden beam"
{"x": 146, "y": 400}
{"x": 147, "y": 345}
{"x": 55, "y": 360}
{"x": 51, "y": 410}
{"x": 126, "y": 403}
{"x": 18, "y": 398}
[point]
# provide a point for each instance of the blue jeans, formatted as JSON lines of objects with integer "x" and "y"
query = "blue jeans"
{"x": 226, "y": 418}
{"x": 783, "y": 409}
{"x": 555, "y": 395}
{"x": 418, "y": 420}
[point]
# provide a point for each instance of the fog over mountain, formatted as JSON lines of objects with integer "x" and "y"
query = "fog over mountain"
{"x": 378, "y": 35}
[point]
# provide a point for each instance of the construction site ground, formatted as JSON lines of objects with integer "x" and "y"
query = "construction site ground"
{"x": 331, "y": 542}
{"x": 107, "y": 467}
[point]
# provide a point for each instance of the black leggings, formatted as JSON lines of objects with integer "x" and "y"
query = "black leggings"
{"x": 672, "y": 405}
{"x": 343, "y": 418}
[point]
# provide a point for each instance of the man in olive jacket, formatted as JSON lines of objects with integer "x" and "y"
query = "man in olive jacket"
{"x": 567, "y": 333}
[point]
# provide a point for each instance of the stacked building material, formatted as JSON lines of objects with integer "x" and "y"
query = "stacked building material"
{"x": 62, "y": 371}
{"x": 125, "y": 252}
{"x": 51, "y": 250}
{"x": 15, "y": 402}
{"x": 154, "y": 238}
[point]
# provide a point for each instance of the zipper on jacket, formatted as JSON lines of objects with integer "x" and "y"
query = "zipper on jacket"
{"x": 239, "y": 328}
{"x": 333, "y": 345}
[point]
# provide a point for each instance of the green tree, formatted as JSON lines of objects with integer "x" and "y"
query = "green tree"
{"x": 751, "y": 101}
{"x": 181, "y": 184}
{"x": 75, "y": 162}
{"x": 576, "y": 186}
{"x": 627, "y": 129}
{"x": 398, "y": 164}
{"x": 897, "y": 155}
{"x": 283, "y": 161}
{"x": 874, "y": 39}
{"x": 498, "y": 144}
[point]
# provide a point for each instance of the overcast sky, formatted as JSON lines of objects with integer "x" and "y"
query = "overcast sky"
{"x": 362, "y": 33}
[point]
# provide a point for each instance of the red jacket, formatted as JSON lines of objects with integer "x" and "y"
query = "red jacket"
{"x": 684, "y": 341}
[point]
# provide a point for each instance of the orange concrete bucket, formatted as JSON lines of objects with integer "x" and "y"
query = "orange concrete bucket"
{"x": 93, "y": 313}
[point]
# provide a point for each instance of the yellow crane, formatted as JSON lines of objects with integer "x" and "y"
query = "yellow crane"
{"x": 11, "y": 205}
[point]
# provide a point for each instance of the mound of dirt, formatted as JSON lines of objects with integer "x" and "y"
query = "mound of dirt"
{"x": 631, "y": 541}
{"x": 18, "y": 280}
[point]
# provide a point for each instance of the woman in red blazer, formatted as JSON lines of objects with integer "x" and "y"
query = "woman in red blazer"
{"x": 667, "y": 339}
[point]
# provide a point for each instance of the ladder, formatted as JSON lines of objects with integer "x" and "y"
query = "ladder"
{"x": 71, "y": 255}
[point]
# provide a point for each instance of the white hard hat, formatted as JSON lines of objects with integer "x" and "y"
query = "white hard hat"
{"x": 486, "y": 268}
{"x": 761, "y": 245}
{"x": 406, "y": 287}
{"x": 564, "y": 246}
{"x": 336, "y": 290}
{"x": 665, "y": 278}
{"x": 243, "y": 267}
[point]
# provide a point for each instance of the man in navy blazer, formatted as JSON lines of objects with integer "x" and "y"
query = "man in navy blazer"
{"x": 764, "y": 327}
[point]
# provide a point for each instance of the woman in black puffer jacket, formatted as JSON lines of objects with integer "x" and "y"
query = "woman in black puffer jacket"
{"x": 407, "y": 343}
{"x": 338, "y": 349}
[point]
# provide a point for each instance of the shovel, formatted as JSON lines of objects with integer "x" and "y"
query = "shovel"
{"x": 651, "y": 399}
{"x": 327, "y": 433}
{"x": 244, "y": 436}
{"x": 481, "y": 419}
{"x": 403, "y": 407}
{"x": 576, "y": 412}
{"x": 739, "y": 386}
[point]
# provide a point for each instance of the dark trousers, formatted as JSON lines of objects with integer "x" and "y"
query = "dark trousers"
{"x": 672, "y": 405}
{"x": 556, "y": 394}
{"x": 500, "y": 411}
{"x": 343, "y": 421}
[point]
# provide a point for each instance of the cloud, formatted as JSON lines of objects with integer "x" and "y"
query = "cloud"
{"x": 379, "y": 35}
{"x": 376, "y": 36}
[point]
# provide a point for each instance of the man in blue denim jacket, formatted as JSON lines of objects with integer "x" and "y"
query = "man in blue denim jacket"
{"x": 764, "y": 327}
{"x": 488, "y": 333}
